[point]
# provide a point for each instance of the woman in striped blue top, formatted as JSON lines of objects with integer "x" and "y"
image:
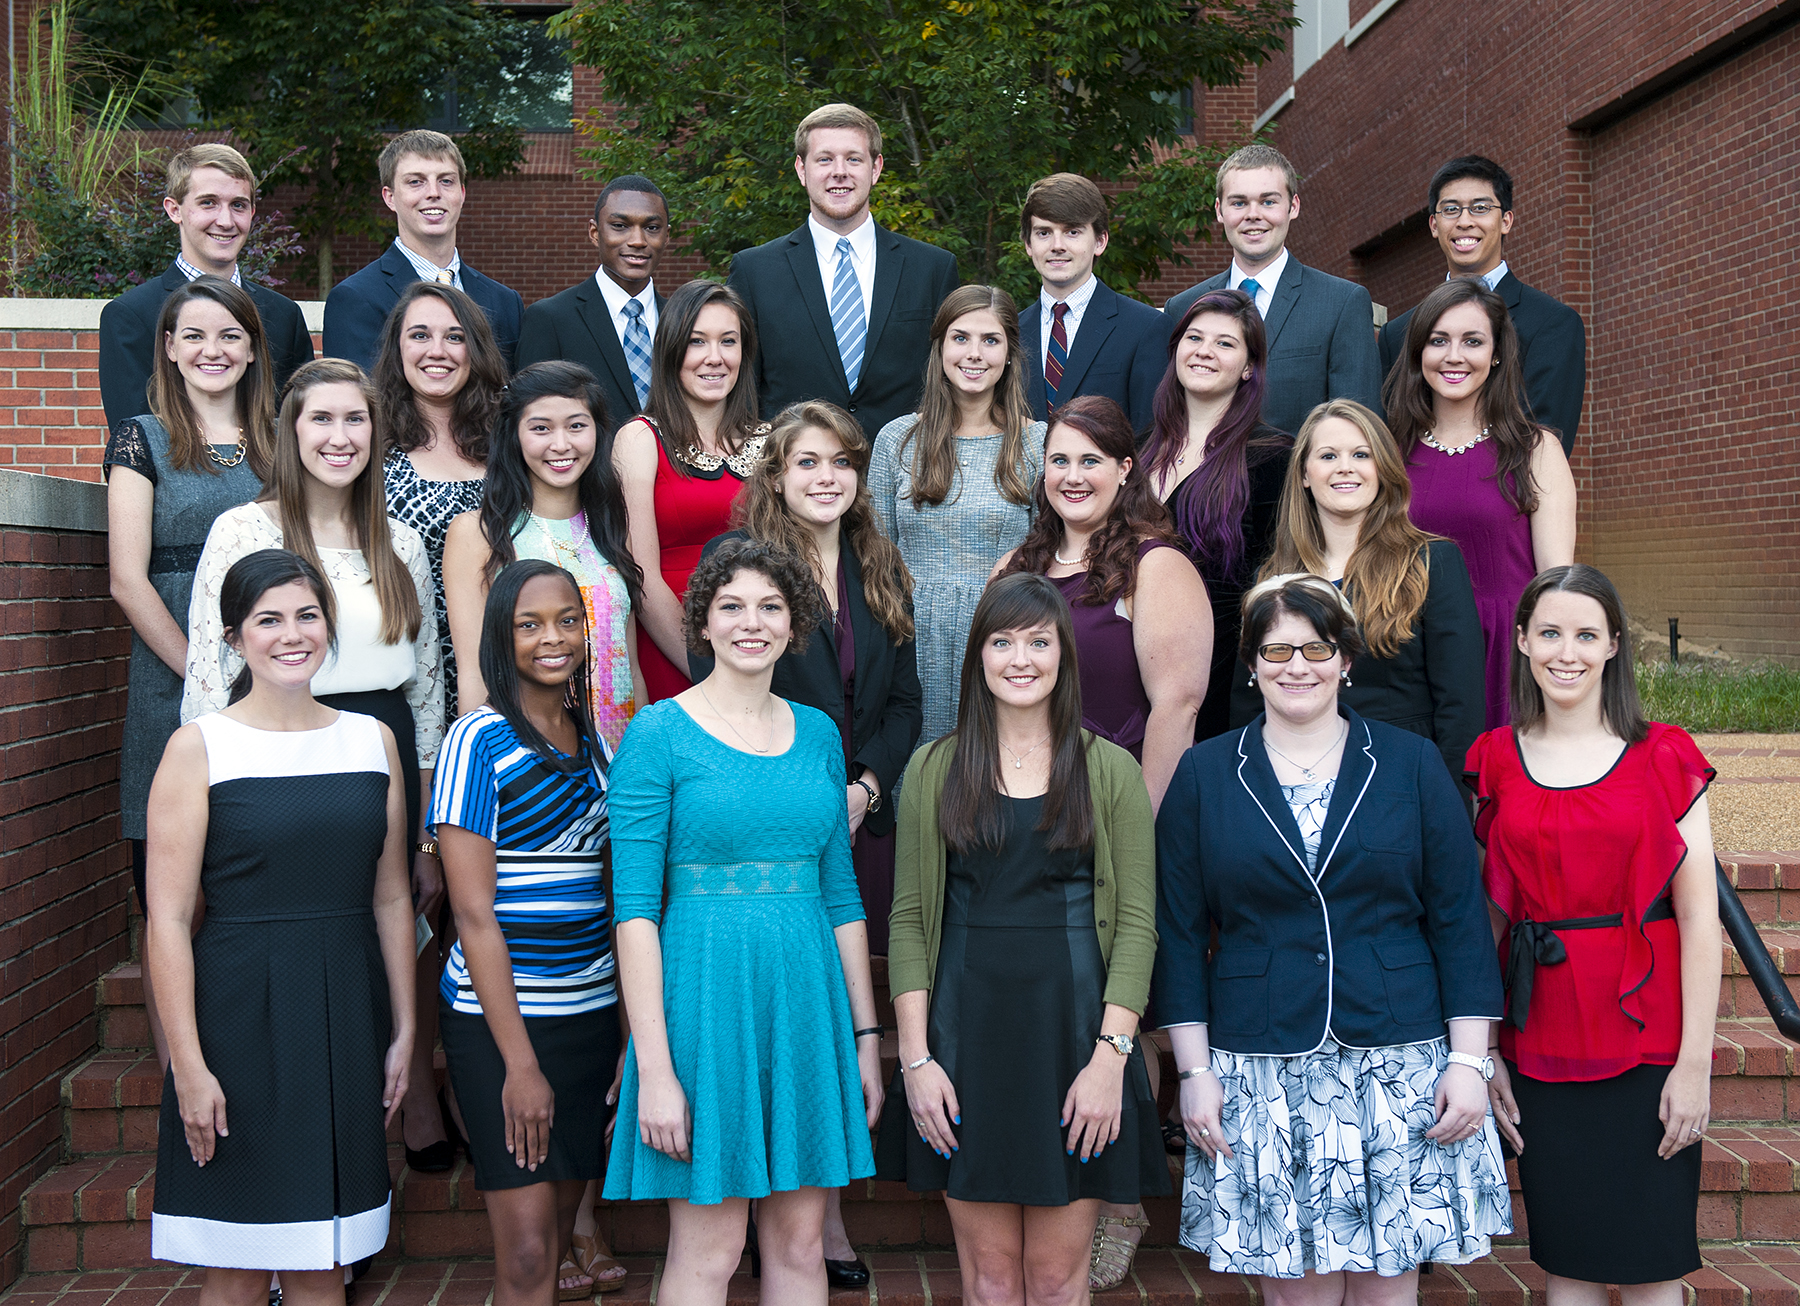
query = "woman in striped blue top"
{"x": 528, "y": 1011}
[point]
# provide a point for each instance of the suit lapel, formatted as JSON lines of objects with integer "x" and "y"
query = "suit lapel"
{"x": 803, "y": 261}
{"x": 1355, "y": 772}
{"x": 1287, "y": 294}
{"x": 890, "y": 263}
{"x": 1511, "y": 289}
{"x": 864, "y": 629}
{"x": 173, "y": 279}
{"x": 1096, "y": 325}
{"x": 1258, "y": 779}
{"x": 590, "y": 307}
{"x": 1031, "y": 344}
{"x": 400, "y": 273}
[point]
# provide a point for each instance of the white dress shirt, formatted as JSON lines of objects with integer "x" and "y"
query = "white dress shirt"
{"x": 1266, "y": 280}
{"x": 427, "y": 270}
{"x": 1489, "y": 279}
{"x": 1078, "y": 299}
{"x": 862, "y": 259}
{"x": 616, "y": 299}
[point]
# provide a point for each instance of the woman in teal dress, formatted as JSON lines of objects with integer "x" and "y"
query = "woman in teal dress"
{"x": 753, "y": 1069}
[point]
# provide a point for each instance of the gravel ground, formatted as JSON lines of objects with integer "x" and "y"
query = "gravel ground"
{"x": 1755, "y": 801}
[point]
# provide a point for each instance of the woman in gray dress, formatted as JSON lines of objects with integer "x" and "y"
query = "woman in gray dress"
{"x": 952, "y": 483}
{"x": 204, "y": 447}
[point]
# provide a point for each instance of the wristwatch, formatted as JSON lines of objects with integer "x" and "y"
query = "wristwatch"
{"x": 1121, "y": 1043}
{"x": 869, "y": 789}
{"x": 1483, "y": 1066}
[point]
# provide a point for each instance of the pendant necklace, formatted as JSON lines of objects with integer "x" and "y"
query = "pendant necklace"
{"x": 1308, "y": 771}
{"x": 1019, "y": 758}
{"x": 734, "y": 730}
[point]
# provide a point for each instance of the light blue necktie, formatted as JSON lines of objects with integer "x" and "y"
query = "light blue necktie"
{"x": 1250, "y": 288}
{"x": 637, "y": 349}
{"x": 847, "y": 319}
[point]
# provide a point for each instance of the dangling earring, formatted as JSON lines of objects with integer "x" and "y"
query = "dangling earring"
{"x": 1345, "y": 677}
{"x": 1252, "y": 681}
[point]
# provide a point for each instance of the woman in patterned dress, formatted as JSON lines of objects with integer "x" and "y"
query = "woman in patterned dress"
{"x": 1332, "y": 1050}
{"x": 439, "y": 375}
{"x": 204, "y": 447}
{"x": 952, "y": 482}
{"x": 685, "y": 459}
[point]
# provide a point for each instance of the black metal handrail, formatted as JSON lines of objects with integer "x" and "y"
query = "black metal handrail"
{"x": 1758, "y": 964}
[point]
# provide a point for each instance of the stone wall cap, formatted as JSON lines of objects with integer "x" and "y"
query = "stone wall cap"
{"x": 84, "y": 314}
{"x": 51, "y": 502}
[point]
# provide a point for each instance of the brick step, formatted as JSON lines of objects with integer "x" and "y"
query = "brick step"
{"x": 119, "y": 1002}
{"x": 1163, "y": 1276}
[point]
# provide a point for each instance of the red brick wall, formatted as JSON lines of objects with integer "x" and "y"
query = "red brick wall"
{"x": 51, "y": 421}
{"x": 64, "y": 874}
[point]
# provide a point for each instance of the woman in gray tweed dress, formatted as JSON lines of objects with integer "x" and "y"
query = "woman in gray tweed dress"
{"x": 952, "y": 483}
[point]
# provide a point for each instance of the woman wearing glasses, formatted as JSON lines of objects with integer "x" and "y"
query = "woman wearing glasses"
{"x": 1344, "y": 517}
{"x": 1331, "y": 1056}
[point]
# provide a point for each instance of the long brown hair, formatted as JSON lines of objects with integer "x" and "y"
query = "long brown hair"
{"x": 1620, "y": 708}
{"x": 167, "y": 391}
{"x": 473, "y": 407}
{"x": 394, "y": 590}
{"x": 761, "y": 510}
{"x": 1407, "y": 395}
{"x": 933, "y": 435}
{"x": 667, "y": 410}
{"x": 1389, "y": 571}
{"x": 1137, "y": 514}
{"x": 969, "y": 811}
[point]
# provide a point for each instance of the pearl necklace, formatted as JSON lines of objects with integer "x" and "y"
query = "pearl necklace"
{"x": 1430, "y": 438}
{"x": 1068, "y": 562}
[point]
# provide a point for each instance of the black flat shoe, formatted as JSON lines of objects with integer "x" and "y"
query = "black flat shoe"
{"x": 846, "y": 1274}
{"x": 750, "y": 1245}
{"x": 434, "y": 1158}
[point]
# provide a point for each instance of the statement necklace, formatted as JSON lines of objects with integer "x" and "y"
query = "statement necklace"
{"x": 1307, "y": 771}
{"x": 742, "y": 463}
{"x": 1431, "y": 439}
{"x": 734, "y": 730}
{"x": 236, "y": 458}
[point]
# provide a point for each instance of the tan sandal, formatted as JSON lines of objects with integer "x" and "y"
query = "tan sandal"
{"x": 585, "y": 1251}
{"x": 1112, "y": 1257}
{"x": 569, "y": 1270}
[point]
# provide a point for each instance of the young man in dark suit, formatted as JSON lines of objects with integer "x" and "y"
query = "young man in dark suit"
{"x": 422, "y": 182}
{"x": 1471, "y": 212}
{"x": 842, "y": 306}
{"x": 1080, "y": 336}
{"x": 1321, "y": 328}
{"x": 211, "y": 200}
{"x": 607, "y": 322}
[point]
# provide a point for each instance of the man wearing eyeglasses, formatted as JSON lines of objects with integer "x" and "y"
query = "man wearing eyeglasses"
{"x": 1471, "y": 212}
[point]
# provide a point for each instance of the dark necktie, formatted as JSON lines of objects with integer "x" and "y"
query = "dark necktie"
{"x": 1058, "y": 357}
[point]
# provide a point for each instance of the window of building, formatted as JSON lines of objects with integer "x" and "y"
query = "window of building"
{"x": 527, "y": 75}
{"x": 1183, "y": 100}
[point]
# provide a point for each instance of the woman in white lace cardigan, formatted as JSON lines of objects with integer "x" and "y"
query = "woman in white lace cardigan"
{"x": 324, "y": 501}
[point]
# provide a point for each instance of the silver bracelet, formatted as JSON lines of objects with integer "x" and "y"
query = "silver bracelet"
{"x": 921, "y": 1061}
{"x": 1196, "y": 1072}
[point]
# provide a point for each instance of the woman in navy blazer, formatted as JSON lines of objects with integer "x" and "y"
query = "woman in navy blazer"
{"x": 1332, "y": 1130}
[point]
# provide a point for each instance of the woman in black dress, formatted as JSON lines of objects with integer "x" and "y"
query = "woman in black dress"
{"x": 1019, "y": 957}
{"x": 1218, "y": 466}
{"x": 290, "y": 1015}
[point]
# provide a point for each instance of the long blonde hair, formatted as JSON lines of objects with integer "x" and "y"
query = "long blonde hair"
{"x": 394, "y": 589}
{"x": 1389, "y": 571}
{"x": 933, "y": 436}
{"x": 762, "y": 511}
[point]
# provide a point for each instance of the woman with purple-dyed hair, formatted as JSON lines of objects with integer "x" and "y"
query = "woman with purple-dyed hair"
{"x": 1218, "y": 466}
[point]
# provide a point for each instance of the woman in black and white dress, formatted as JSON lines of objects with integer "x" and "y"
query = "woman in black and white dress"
{"x": 290, "y": 1015}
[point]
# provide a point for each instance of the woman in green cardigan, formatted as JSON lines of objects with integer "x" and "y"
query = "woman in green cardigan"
{"x": 1019, "y": 956}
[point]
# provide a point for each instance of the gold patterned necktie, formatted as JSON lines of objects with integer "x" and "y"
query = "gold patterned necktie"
{"x": 446, "y": 277}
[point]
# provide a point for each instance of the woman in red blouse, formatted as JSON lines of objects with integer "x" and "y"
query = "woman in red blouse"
{"x": 1599, "y": 866}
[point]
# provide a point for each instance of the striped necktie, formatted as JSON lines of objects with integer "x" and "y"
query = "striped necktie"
{"x": 1058, "y": 356}
{"x": 445, "y": 277}
{"x": 637, "y": 349}
{"x": 847, "y": 314}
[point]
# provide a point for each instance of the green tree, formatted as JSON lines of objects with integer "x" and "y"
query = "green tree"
{"x": 317, "y": 84}
{"x": 976, "y": 100}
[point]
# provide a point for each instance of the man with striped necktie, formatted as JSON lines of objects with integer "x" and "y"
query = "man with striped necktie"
{"x": 843, "y": 307}
{"x": 422, "y": 181}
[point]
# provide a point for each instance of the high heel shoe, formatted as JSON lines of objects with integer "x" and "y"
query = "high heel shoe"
{"x": 436, "y": 1158}
{"x": 846, "y": 1274}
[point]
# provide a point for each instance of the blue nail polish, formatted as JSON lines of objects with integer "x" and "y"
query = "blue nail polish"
{"x": 1070, "y": 1152}
{"x": 1084, "y": 1160}
{"x": 956, "y": 1120}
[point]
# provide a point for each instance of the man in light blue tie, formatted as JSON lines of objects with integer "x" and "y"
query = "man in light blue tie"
{"x": 607, "y": 322}
{"x": 843, "y": 307}
{"x": 1321, "y": 328}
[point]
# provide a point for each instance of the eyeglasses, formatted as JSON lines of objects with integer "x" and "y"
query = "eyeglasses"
{"x": 1317, "y": 650}
{"x": 1479, "y": 209}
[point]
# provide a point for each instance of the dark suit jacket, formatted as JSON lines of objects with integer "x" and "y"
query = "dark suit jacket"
{"x": 576, "y": 326}
{"x": 357, "y": 308}
{"x": 797, "y": 352}
{"x": 1552, "y": 347}
{"x": 1390, "y": 941}
{"x": 1435, "y": 685}
{"x": 1321, "y": 332}
{"x": 890, "y": 707}
{"x": 1121, "y": 352}
{"x": 128, "y": 341}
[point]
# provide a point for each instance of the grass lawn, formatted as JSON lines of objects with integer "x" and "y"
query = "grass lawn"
{"x": 1703, "y": 698}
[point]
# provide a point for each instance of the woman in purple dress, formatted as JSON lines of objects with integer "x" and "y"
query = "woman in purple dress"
{"x": 1456, "y": 390}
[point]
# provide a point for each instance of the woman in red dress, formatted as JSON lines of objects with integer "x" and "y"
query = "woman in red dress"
{"x": 683, "y": 462}
{"x": 1600, "y": 870}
